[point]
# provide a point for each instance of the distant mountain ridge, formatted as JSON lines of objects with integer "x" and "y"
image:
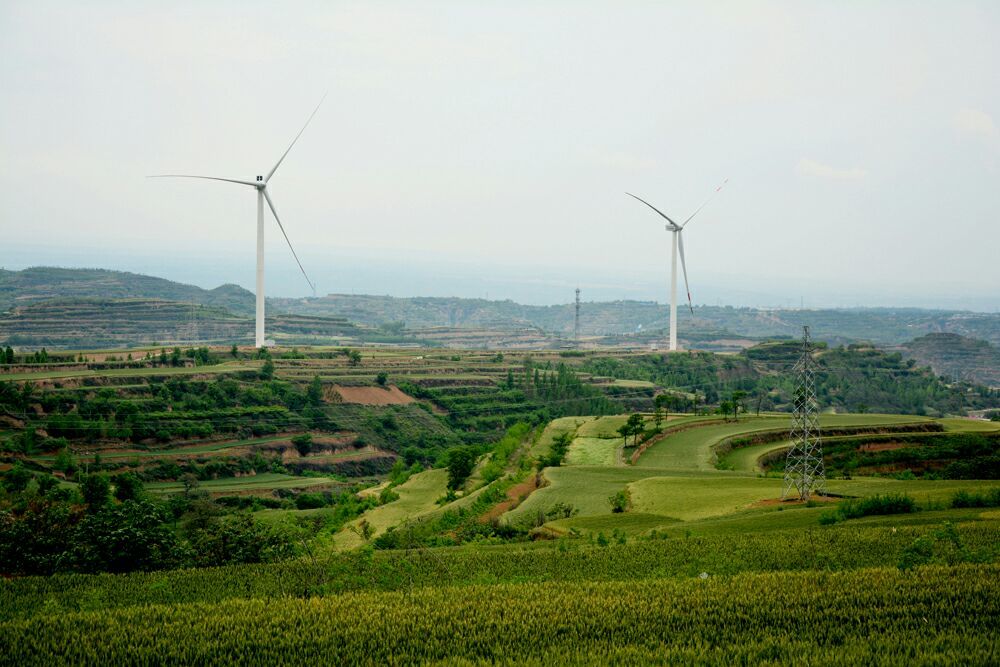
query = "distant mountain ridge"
{"x": 42, "y": 283}
{"x": 30, "y": 298}
{"x": 881, "y": 326}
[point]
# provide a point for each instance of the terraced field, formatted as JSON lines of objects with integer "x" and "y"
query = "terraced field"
{"x": 677, "y": 479}
{"x": 249, "y": 484}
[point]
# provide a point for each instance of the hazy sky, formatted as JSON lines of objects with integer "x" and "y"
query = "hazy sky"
{"x": 473, "y": 147}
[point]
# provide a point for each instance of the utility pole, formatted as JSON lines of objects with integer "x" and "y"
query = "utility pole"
{"x": 804, "y": 470}
{"x": 576, "y": 321}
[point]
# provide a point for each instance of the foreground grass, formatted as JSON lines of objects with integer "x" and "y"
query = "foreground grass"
{"x": 868, "y": 616}
{"x": 717, "y": 548}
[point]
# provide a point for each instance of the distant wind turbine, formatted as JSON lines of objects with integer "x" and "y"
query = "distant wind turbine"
{"x": 678, "y": 242}
{"x": 262, "y": 194}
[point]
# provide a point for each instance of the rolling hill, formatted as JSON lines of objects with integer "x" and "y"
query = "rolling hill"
{"x": 43, "y": 283}
{"x": 957, "y": 357}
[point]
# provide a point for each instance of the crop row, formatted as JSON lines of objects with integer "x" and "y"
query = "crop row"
{"x": 836, "y": 548}
{"x": 873, "y": 616}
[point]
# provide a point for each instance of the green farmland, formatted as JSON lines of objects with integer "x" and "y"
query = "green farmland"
{"x": 326, "y": 491}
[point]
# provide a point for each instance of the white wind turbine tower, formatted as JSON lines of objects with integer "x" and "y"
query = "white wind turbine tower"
{"x": 262, "y": 194}
{"x": 678, "y": 242}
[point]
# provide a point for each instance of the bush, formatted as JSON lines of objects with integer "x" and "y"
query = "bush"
{"x": 96, "y": 491}
{"x": 619, "y": 501}
{"x": 989, "y": 498}
{"x": 461, "y": 461}
{"x": 890, "y": 503}
{"x": 303, "y": 443}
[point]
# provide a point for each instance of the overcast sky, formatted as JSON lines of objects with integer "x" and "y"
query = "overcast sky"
{"x": 468, "y": 148}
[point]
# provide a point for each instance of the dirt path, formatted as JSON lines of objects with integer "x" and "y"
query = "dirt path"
{"x": 515, "y": 496}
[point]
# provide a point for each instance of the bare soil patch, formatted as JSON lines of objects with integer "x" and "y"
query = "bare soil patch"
{"x": 515, "y": 496}
{"x": 883, "y": 446}
{"x": 391, "y": 395}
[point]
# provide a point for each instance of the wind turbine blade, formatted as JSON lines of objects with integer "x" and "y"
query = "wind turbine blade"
{"x": 209, "y": 178}
{"x": 710, "y": 198}
{"x": 684, "y": 268}
{"x": 282, "y": 159}
{"x": 665, "y": 216}
{"x": 282, "y": 228}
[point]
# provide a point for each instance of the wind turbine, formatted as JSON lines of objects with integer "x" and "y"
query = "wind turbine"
{"x": 262, "y": 194}
{"x": 678, "y": 242}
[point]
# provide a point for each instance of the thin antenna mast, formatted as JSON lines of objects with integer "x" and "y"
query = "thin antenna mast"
{"x": 804, "y": 470}
{"x": 576, "y": 321}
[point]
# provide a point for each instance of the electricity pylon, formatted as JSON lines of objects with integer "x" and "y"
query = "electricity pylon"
{"x": 804, "y": 471}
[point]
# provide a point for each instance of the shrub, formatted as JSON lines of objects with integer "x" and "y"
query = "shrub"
{"x": 619, "y": 501}
{"x": 890, "y": 503}
{"x": 989, "y": 498}
{"x": 303, "y": 443}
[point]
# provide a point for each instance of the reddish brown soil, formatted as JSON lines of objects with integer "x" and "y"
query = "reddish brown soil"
{"x": 515, "y": 496}
{"x": 390, "y": 395}
{"x": 883, "y": 446}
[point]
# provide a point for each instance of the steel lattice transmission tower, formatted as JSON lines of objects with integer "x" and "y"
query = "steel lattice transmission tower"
{"x": 576, "y": 320}
{"x": 804, "y": 471}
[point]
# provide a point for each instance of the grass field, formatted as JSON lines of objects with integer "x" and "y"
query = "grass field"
{"x": 693, "y": 448}
{"x": 593, "y": 451}
{"x": 417, "y": 497}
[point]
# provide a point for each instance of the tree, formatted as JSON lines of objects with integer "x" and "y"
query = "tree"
{"x": 64, "y": 461}
{"x": 175, "y": 357}
{"x": 131, "y": 536}
{"x": 353, "y": 357}
{"x": 658, "y": 416}
{"x": 96, "y": 491}
{"x": 303, "y": 443}
{"x": 461, "y": 461}
{"x": 619, "y": 501}
{"x": 190, "y": 482}
{"x": 636, "y": 426}
{"x": 128, "y": 486}
{"x": 17, "y": 478}
{"x": 382, "y": 378}
{"x": 560, "y": 445}
{"x": 314, "y": 393}
{"x": 738, "y": 403}
{"x": 267, "y": 370}
{"x": 234, "y": 351}
{"x": 8, "y": 355}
